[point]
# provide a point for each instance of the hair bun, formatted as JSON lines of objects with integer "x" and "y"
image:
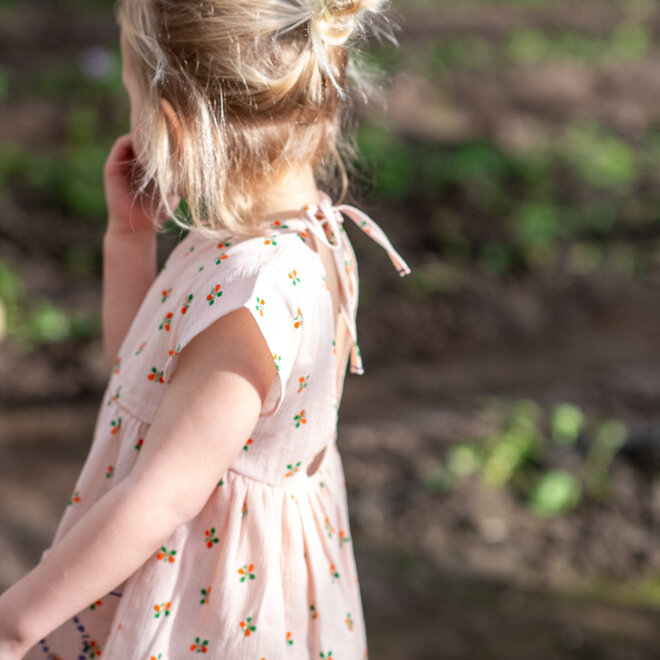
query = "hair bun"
{"x": 335, "y": 19}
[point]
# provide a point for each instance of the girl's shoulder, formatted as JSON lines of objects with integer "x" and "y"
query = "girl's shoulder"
{"x": 229, "y": 255}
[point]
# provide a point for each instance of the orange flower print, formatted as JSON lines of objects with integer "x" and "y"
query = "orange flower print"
{"x": 166, "y": 555}
{"x": 312, "y": 610}
{"x": 271, "y": 240}
{"x": 278, "y": 359}
{"x": 115, "y": 425}
{"x": 166, "y": 323}
{"x": 333, "y": 572}
{"x": 210, "y": 538}
{"x": 293, "y": 276}
{"x": 75, "y": 497}
{"x": 158, "y": 657}
{"x": 329, "y": 528}
{"x": 139, "y": 444}
{"x": 343, "y": 538}
{"x": 292, "y": 469}
{"x": 303, "y": 235}
{"x": 349, "y": 621}
{"x": 206, "y": 594}
{"x": 297, "y": 319}
{"x": 115, "y": 396}
{"x": 289, "y": 639}
{"x": 175, "y": 352}
{"x": 165, "y": 294}
{"x": 221, "y": 258}
{"x": 140, "y": 348}
{"x": 278, "y": 224}
{"x": 110, "y": 472}
{"x": 334, "y": 347}
{"x": 244, "y": 510}
{"x": 325, "y": 282}
{"x": 186, "y": 303}
{"x": 116, "y": 365}
{"x": 300, "y": 418}
{"x": 247, "y": 444}
{"x": 260, "y": 305}
{"x": 215, "y": 294}
{"x": 364, "y": 227}
{"x": 93, "y": 649}
{"x": 95, "y": 604}
{"x": 162, "y": 610}
{"x": 224, "y": 244}
{"x": 247, "y": 626}
{"x": 156, "y": 376}
{"x": 246, "y": 572}
{"x": 325, "y": 656}
{"x": 200, "y": 646}
{"x": 302, "y": 383}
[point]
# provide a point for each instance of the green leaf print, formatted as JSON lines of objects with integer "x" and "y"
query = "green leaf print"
{"x": 210, "y": 537}
{"x": 162, "y": 609}
{"x": 300, "y": 418}
{"x": 215, "y": 293}
{"x": 247, "y": 627}
{"x": 186, "y": 303}
{"x": 246, "y": 572}
{"x": 92, "y": 649}
{"x": 200, "y": 646}
{"x": 292, "y": 469}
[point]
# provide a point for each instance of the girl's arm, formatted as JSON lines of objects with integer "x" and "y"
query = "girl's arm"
{"x": 129, "y": 245}
{"x": 206, "y": 413}
{"x": 129, "y": 269}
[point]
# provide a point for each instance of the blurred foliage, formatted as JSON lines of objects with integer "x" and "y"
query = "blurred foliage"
{"x": 529, "y": 47}
{"x": 577, "y": 198}
{"x": 35, "y": 321}
{"x": 549, "y": 460}
{"x": 510, "y": 211}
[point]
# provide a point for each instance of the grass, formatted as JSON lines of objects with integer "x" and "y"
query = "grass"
{"x": 527, "y": 450}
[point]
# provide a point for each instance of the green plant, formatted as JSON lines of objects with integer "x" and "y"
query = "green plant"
{"x": 558, "y": 491}
{"x": 524, "y": 450}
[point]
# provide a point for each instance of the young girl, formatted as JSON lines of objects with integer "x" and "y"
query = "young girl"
{"x": 211, "y": 514}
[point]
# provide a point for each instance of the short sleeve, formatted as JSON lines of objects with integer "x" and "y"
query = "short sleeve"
{"x": 264, "y": 290}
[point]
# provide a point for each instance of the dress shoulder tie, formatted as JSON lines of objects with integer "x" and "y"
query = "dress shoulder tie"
{"x": 314, "y": 217}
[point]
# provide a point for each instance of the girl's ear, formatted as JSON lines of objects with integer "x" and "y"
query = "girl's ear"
{"x": 173, "y": 122}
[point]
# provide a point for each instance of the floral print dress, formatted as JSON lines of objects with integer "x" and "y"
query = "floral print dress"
{"x": 266, "y": 571}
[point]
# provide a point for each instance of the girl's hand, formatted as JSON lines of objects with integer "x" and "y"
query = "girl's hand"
{"x": 128, "y": 211}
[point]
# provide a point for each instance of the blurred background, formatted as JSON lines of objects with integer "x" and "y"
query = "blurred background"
{"x": 502, "y": 450}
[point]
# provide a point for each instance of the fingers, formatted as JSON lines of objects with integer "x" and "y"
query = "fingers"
{"x": 121, "y": 157}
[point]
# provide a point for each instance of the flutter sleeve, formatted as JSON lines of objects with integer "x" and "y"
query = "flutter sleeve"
{"x": 264, "y": 289}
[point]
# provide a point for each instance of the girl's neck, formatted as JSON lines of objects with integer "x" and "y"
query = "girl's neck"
{"x": 290, "y": 193}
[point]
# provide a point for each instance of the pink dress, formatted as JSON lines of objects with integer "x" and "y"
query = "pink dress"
{"x": 266, "y": 571}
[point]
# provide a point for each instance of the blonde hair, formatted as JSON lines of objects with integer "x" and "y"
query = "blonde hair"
{"x": 259, "y": 86}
